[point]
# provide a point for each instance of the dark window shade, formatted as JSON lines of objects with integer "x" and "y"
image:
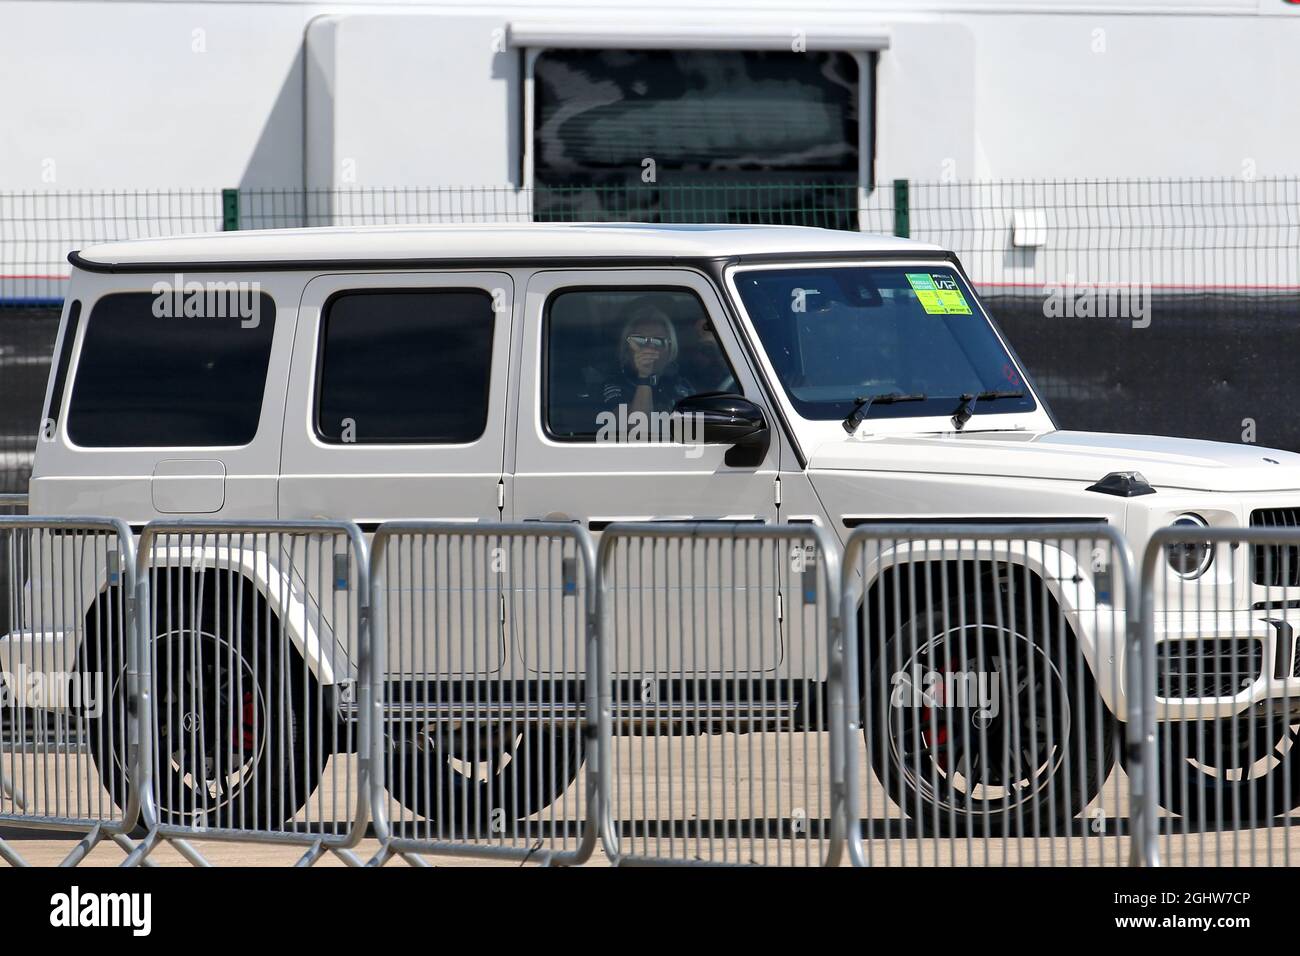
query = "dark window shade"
{"x": 65, "y": 358}
{"x": 405, "y": 367}
{"x": 149, "y": 381}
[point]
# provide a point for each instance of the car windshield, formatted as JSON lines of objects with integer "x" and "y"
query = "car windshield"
{"x": 838, "y": 335}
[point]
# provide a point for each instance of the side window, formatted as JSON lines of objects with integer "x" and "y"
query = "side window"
{"x": 155, "y": 372}
{"x": 615, "y": 353}
{"x": 409, "y": 366}
{"x": 61, "y": 365}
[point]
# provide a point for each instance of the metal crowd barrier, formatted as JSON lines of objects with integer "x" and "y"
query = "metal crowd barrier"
{"x": 9, "y": 505}
{"x": 485, "y": 643}
{"x": 723, "y": 694}
{"x": 693, "y": 693}
{"x": 984, "y": 663}
{"x": 254, "y": 663}
{"x": 1222, "y": 613}
{"x": 65, "y": 670}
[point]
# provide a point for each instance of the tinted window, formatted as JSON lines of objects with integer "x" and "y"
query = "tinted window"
{"x": 151, "y": 375}
{"x": 604, "y": 345}
{"x": 735, "y": 136}
{"x": 836, "y": 335}
{"x": 64, "y": 359}
{"x": 409, "y": 366}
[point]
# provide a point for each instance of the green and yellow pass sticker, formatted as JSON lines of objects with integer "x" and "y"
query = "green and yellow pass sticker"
{"x": 938, "y": 294}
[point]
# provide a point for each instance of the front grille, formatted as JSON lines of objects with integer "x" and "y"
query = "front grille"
{"x": 1207, "y": 668}
{"x": 1275, "y": 565}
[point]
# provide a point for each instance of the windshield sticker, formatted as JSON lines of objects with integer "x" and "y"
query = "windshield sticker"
{"x": 950, "y": 295}
{"x": 926, "y": 293}
{"x": 938, "y": 294}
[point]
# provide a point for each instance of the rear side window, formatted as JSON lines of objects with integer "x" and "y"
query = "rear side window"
{"x": 409, "y": 366}
{"x": 153, "y": 373}
{"x": 64, "y": 359}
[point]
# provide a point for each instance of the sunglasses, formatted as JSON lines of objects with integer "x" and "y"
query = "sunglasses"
{"x": 648, "y": 341}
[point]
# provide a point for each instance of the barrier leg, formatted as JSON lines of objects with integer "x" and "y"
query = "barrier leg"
{"x": 350, "y": 858}
{"x": 83, "y": 847}
{"x": 124, "y": 841}
{"x": 185, "y": 849}
{"x": 314, "y": 853}
{"x": 380, "y": 858}
{"x": 9, "y": 856}
{"x": 142, "y": 850}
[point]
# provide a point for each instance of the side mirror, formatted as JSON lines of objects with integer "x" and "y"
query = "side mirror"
{"x": 721, "y": 418}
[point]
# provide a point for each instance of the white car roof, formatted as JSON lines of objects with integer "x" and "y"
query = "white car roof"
{"x": 490, "y": 241}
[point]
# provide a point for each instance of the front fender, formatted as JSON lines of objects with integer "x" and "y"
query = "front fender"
{"x": 1087, "y": 586}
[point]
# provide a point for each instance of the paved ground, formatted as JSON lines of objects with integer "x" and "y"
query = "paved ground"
{"x": 772, "y": 782}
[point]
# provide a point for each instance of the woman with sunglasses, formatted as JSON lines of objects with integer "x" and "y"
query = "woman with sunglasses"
{"x": 647, "y": 379}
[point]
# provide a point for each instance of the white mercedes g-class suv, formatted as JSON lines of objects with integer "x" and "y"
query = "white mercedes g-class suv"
{"x": 493, "y": 373}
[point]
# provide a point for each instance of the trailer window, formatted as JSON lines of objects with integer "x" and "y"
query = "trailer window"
{"x": 172, "y": 369}
{"x": 697, "y": 135}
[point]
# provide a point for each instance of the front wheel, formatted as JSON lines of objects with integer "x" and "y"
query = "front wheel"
{"x": 1227, "y": 771}
{"x": 977, "y": 727}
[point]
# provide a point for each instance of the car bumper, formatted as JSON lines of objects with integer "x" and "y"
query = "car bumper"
{"x": 1214, "y": 664}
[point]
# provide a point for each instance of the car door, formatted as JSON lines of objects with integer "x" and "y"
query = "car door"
{"x": 581, "y": 454}
{"x": 397, "y": 410}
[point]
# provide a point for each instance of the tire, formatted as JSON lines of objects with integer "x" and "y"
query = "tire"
{"x": 234, "y": 708}
{"x": 1225, "y": 772}
{"x": 512, "y": 777}
{"x": 948, "y": 759}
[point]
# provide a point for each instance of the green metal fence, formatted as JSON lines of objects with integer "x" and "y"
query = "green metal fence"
{"x": 1196, "y": 233}
{"x": 1222, "y": 255}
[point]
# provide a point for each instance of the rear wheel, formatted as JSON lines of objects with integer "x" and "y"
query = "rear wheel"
{"x": 232, "y": 747}
{"x": 475, "y": 778}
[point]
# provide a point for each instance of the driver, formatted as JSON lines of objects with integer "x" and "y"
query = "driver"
{"x": 646, "y": 379}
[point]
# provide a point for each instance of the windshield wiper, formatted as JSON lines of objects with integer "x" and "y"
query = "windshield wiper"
{"x": 966, "y": 408}
{"x": 863, "y": 405}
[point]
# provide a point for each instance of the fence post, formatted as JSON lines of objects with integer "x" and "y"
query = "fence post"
{"x": 902, "y": 213}
{"x": 1140, "y": 733}
{"x": 229, "y": 210}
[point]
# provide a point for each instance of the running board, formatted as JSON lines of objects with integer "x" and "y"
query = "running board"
{"x": 746, "y": 713}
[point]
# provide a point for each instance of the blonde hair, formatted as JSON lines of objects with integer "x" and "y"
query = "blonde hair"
{"x": 641, "y": 311}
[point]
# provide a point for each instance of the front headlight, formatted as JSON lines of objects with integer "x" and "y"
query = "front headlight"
{"x": 1189, "y": 560}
